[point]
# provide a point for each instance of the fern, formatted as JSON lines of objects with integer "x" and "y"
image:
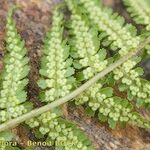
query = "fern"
{"x": 86, "y": 47}
{"x": 56, "y": 71}
{"x": 136, "y": 87}
{"x": 100, "y": 17}
{"x": 68, "y": 63}
{"x": 60, "y": 131}
{"x": 140, "y": 12}
{"x": 120, "y": 36}
{"x": 57, "y": 81}
{"x": 89, "y": 56}
{"x": 13, "y": 78}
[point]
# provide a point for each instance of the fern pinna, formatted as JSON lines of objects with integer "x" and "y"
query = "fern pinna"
{"x": 56, "y": 81}
{"x": 13, "y": 78}
{"x": 56, "y": 71}
{"x": 140, "y": 12}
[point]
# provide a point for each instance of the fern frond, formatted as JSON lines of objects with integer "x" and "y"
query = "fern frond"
{"x": 96, "y": 97}
{"x": 87, "y": 54}
{"x": 14, "y": 76}
{"x": 56, "y": 71}
{"x": 116, "y": 109}
{"x": 60, "y": 131}
{"x": 109, "y": 107}
{"x": 108, "y": 23}
{"x": 114, "y": 32}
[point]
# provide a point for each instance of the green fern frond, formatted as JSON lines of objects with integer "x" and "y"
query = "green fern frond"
{"x": 83, "y": 47}
{"x": 110, "y": 26}
{"x": 81, "y": 56}
{"x": 56, "y": 71}
{"x": 14, "y": 76}
{"x": 115, "y": 109}
{"x": 60, "y": 131}
{"x": 87, "y": 54}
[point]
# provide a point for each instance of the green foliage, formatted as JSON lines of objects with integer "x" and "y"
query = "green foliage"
{"x": 6, "y": 137}
{"x": 100, "y": 97}
{"x": 61, "y": 133}
{"x": 56, "y": 81}
{"x": 56, "y": 66}
{"x": 111, "y": 29}
{"x": 66, "y": 64}
{"x": 85, "y": 44}
{"x": 139, "y": 11}
{"x": 120, "y": 36}
{"x": 132, "y": 83}
{"x": 13, "y": 78}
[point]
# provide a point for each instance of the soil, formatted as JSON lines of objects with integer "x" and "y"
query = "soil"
{"x": 33, "y": 21}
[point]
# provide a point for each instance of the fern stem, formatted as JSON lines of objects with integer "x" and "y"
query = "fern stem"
{"x": 14, "y": 122}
